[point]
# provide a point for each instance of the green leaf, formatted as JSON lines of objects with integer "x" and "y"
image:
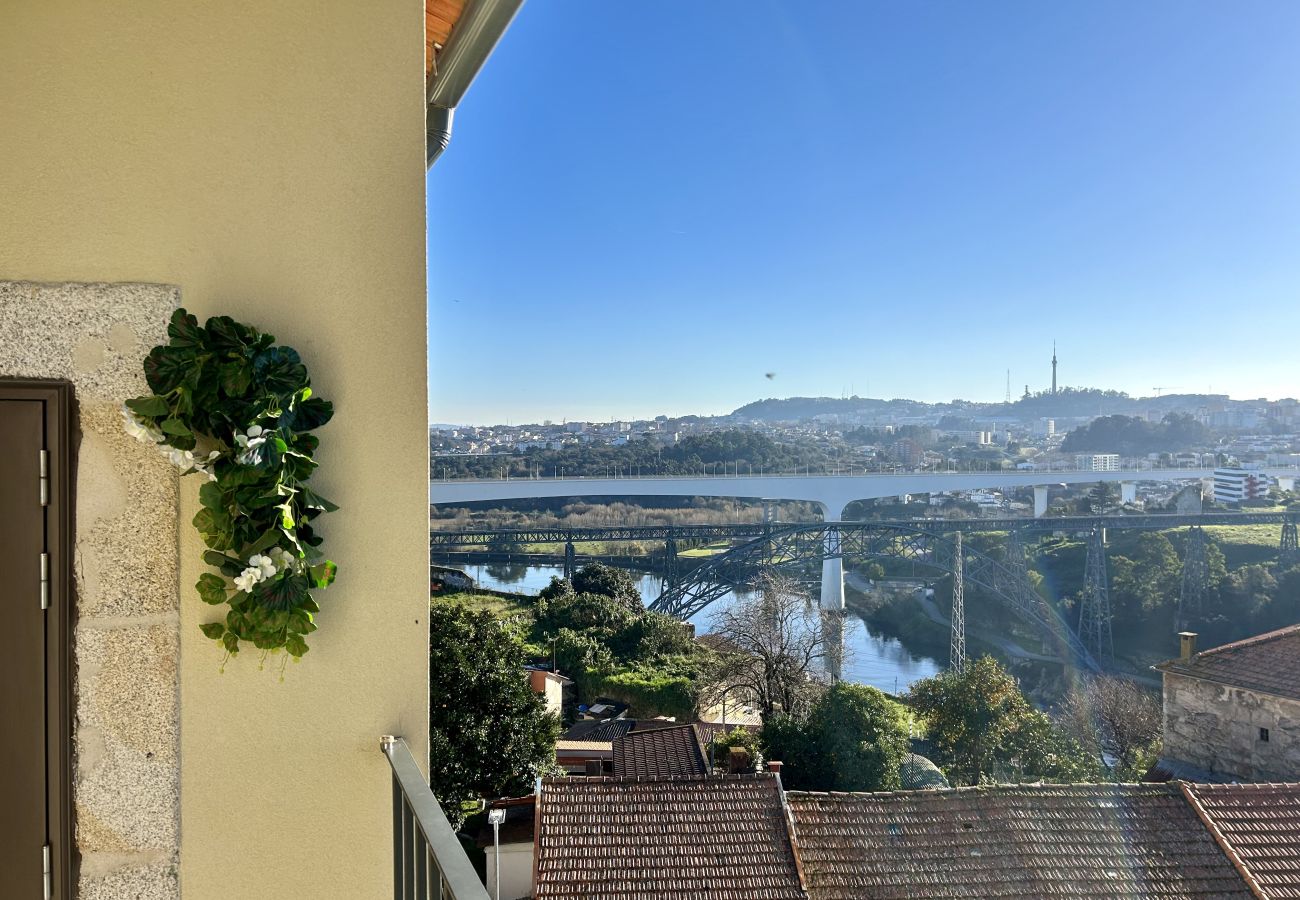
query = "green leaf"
{"x": 213, "y": 630}
{"x": 281, "y": 593}
{"x": 231, "y": 642}
{"x": 211, "y": 495}
{"x": 268, "y": 539}
{"x": 176, "y": 427}
{"x": 322, "y": 574}
{"x": 227, "y": 564}
{"x": 166, "y": 367}
{"x": 280, "y": 371}
{"x": 184, "y": 330}
{"x": 296, "y": 645}
{"x": 148, "y": 406}
{"x": 313, "y": 500}
{"x": 235, "y": 378}
{"x": 310, "y": 414}
{"x": 300, "y": 621}
{"x": 226, "y": 335}
{"x": 212, "y": 588}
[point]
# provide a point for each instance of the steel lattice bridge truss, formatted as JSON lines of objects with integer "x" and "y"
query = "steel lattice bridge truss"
{"x": 476, "y": 538}
{"x": 925, "y": 542}
{"x": 794, "y": 547}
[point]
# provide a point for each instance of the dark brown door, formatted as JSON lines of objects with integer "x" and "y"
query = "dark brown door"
{"x": 24, "y": 565}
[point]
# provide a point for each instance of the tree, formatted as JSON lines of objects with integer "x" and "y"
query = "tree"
{"x": 584, "y": 612}
{"x": 770, "y": 646}
{"x": 1148, "y": 582}
{"x": 719, "y": 750}
{"x": 854, "y": 739}
{"x": 489, "y": 733}
{"x": 981, "y": 727}
{"x": 1102, "y": 497}
{"x": 1113, "y": 716}
{"x": 596, "y": 578}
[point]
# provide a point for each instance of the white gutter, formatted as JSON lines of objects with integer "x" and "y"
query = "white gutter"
{"x": 477, "y": 31}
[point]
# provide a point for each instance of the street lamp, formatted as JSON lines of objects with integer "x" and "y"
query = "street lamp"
{"x": 495, "y": 818}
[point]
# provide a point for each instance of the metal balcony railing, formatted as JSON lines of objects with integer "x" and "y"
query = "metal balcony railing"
{"x": 428, "y": 861}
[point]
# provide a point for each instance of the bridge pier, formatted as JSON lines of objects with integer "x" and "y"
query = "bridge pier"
{"x": 1128, "y": 492}
{"x": 570, "y": 560}
{"x": 1289, "y": 551}
{"x": 1196, "y": 577}
{"x": 670, "y": 561}
{"x": 1040, "y": 500}
{"x": 832, "y": 573}
{"x": 1094, "y": 611}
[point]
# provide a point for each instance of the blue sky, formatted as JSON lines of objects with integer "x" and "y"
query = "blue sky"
{"x": 646, "y": 207}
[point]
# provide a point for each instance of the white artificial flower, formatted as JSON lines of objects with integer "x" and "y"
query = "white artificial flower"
{"x": 283, "y": 558}
{"x": 250, "y": 438}
{"x": 263, "y": 564}
{"x": 247, "y": 578}
{"x": 139, "y": 429}
{"x": 205, "y": 465}
{"x": 182, "y": 459}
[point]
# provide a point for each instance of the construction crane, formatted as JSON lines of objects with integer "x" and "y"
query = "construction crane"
{"x": 1172, "y": 387}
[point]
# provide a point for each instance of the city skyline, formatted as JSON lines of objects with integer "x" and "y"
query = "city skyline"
{"x": 1046, "y": 390}
{"x": 924, "y": 197}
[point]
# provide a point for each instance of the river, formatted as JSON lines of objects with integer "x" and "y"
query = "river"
{"x": 871, "y": 658}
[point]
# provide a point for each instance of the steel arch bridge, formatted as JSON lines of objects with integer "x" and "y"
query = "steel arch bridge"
{"x": 792, "y": 546}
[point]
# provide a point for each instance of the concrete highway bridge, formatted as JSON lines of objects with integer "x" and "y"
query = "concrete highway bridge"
{"x": 832, "y": 493}
{"x": 930, "y": 543}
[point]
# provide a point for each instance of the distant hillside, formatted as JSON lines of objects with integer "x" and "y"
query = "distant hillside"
{"x": 1067, "y": 403}
{"x": 794, "y": 409}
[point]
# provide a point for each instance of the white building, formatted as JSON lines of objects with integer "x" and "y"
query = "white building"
{"x": 1233, "y": 485}
{"x": 1097, "y": 462}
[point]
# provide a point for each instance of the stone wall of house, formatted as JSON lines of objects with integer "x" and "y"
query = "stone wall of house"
{"x": 126, "y": 738}
{"x": 1217, "y": 728}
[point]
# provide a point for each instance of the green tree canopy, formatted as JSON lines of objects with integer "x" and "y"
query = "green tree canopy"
{"x": 854, "y": 739}
{"x": 489, "y": 733}
{"x": 983, "y": 728}
{"x": 596, "y": 578}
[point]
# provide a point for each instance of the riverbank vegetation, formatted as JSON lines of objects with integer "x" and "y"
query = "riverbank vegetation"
{"x": 598, "y": 633}
{"x": 981, "y": 728}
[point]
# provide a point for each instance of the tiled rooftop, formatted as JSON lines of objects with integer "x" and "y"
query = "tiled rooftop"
{"x": 1260, "y": 823}
{"x": 607, "y": 838}
{"x": 1267, "y": 662}
{"x": 599, "y": 729}
{"x": 660, "y": 753}
{"x": 1031, "y": 841}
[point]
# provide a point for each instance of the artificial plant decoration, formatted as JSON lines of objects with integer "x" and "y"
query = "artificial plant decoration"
{"x": 230, "y": 405}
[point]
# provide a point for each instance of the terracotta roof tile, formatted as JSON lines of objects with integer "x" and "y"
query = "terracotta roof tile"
{"x": 660, "y": 753}
{"x": 599, "y": 729}
{"x": 723, "y": 837}
{"x": 1030, "y": 841}
{"x": 1267, "y": 662}
{"x": 1261, "y": 824}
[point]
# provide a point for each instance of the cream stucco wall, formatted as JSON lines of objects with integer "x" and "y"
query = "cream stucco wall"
{"x": 268, "y": 160}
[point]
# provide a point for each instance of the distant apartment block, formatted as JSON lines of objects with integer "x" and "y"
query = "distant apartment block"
{"x": 1097, "y": 462}
{"x": 1233, "y": 485}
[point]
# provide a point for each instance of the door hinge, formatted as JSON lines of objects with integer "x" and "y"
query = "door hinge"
{"x": 49, "y": 873}
{"x": 45, "y": 478}
{"x": 45, "y": 581}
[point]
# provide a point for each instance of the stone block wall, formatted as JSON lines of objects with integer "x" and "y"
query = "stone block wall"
{"x": 126, "y": 738}
{"x": 1217, "y": 728}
